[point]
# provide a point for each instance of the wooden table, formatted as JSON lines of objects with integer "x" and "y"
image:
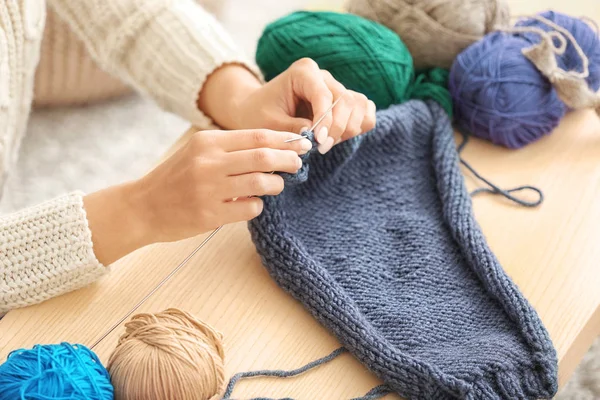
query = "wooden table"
{"x": 551, "y": 252}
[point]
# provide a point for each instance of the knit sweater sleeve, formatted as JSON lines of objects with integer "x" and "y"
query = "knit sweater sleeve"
{"x": 45, "y": 251}
{"x": 164, "y": 48}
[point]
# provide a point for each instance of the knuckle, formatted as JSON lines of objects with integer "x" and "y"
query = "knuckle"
{"x": 361, "y": 98}
{"x": 291, "y": 157}
{"x": 306, "y": 63}
{"x": 260, "y": 137}
{"x": 354, "y": 130}
{"x": 339, "y": 87}
{"x": 201, "y": 140}
{"x": 350, "y": 101}
{"x": 326, "y": 74}
{"x": 264, "y": 157}
{"x": 259, "y": 183}
{"x": 338, "y": 126}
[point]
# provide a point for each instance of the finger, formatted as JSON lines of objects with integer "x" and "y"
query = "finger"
{"x": 354, "y": 125}
{"x": 287, "y": 123}
{"x": 299, "y": 125}
{"x": 231, "y": 141}
{"x": 253, "y": 184}
{"x": 370, "y": 117}
{"x": 355, "y": 121}
{"x": 341, "y": 117}
{"x": 339, "y": 113}
{"x": 309, "y": 85}
{"x": 262, "y": 160}
{"x": 243, "y": 209}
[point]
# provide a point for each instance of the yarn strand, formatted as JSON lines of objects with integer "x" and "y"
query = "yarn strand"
{"x": 570, "y": 85}
{"x": 496, "y": 190}
{"x": 280, "y": 373}
{"x": 158, "y": 286}
{"x": 375, "y": 393}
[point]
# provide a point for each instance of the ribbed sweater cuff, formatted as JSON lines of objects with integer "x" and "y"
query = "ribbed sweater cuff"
{"x": 45, "y": 251}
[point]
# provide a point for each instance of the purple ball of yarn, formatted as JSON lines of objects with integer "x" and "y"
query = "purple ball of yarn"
{"x": 584, "y": 34}
{"x": 499, "y": 95}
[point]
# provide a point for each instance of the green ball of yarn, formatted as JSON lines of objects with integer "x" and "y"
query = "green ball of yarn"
{"x": 363, "y": 55}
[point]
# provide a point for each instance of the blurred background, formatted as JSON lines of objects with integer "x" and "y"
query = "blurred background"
{"x": 90, "y": 147}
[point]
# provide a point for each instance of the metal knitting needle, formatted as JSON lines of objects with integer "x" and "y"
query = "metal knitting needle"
{"x": 312, "y": 128}
{"x": 160, "y": 284}
{"x": 188, "y": 258}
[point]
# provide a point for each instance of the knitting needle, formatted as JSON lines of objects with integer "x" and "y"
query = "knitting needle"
{"x": 187, "y": 259}
{"x": 312, "y": 128}
{"x": 160, "y": 284}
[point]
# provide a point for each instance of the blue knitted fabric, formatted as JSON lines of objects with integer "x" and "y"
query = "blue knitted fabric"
{"x": 379, "y": 242}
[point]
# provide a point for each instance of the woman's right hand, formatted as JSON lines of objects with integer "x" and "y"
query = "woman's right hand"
{"x": 193, "y": 191}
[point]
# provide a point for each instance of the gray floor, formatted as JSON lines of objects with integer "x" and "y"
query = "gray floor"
{"x": 92, "y": 147}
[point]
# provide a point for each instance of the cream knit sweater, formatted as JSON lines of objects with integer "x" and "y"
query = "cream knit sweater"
{"x": 163, "y": 48}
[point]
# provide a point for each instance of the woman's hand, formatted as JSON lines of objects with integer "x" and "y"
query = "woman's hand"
{"x": 192, "y": 192}
{"x": 292, "y": 101}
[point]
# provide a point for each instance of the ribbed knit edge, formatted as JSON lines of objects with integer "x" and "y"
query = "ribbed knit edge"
{"x": 543, "y": 371}
{"x": 294, "y": 273}
{"x": 45, "y": 251}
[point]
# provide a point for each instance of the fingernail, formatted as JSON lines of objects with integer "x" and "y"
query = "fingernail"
{"x": 322, "y": 135}
{"x": 304, "y": 129}
{"x": 305, "y": 145}
{"x": 299, "y": 163}
{"x": 325, "y": 147}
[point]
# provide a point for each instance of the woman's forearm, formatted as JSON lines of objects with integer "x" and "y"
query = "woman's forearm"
{"x": 223, "y": 92}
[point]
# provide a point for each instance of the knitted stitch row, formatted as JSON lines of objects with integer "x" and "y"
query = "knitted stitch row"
{"x": 378, "y": 241}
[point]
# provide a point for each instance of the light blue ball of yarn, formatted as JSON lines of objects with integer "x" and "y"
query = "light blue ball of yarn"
{"x": 499, "y": 95}
{"x": 584, "y": 34}
{"x": 54, "y": 372}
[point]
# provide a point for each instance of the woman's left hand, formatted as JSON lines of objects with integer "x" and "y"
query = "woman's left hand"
{"x": 292, "y": 101}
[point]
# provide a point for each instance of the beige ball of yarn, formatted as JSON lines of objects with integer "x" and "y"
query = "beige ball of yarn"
{"x": 66, "y": 74}
{"x": 435, "y": 31}
{"x": 167, "y": 355}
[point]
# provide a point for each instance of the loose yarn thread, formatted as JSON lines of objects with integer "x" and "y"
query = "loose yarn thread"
{"x": 166, "y": 355}
{"x": 494, "y": 189}
{"x": 512, "y": 92}
{"x": 375, "y": 393}
{"x": 571, "y": 86}
{"x": 585, "y": 35}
